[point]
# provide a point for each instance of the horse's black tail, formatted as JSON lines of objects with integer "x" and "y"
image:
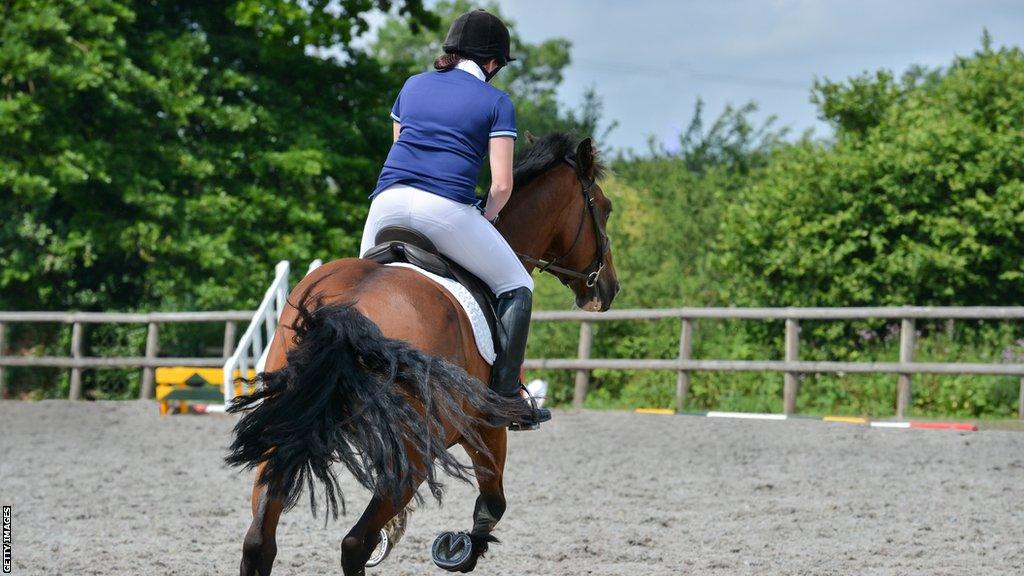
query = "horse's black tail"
{"x": 350, "y": 395}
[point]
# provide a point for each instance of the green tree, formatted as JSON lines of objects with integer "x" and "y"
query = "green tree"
{"x": 165, "y": 154}
{"x": 673, "y": 202}
{"x": 919, "y": 200}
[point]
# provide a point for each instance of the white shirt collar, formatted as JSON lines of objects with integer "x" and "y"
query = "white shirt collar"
{"x": 471, "y": 67}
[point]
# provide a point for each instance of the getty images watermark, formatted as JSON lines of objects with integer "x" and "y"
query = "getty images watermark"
{"x": 7, "y": 539}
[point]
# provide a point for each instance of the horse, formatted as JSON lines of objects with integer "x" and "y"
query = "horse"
{"x": 375, "y": 367}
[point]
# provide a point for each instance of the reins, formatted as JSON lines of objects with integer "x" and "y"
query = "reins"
{"x": 561, "y": 272}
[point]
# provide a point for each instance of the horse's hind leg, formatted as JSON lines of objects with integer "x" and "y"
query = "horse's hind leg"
{"x": 449, "y": 550}
{"x": 360, "y": 541}
{"x": 490, "y": 503}
{"x": 260, "y": 545}
{"x": 391, "y": 535}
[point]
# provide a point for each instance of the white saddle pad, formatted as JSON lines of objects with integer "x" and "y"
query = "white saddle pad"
{"x": 481, "y": 332}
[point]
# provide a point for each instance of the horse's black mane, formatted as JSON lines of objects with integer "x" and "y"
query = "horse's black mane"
{"x": 544, "y": 154}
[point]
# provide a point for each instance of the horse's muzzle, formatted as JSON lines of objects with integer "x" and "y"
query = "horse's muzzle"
{"x": 599, "y": 297}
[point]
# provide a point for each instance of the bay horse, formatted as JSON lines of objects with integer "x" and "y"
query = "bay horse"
{"x": 375, "y": 367}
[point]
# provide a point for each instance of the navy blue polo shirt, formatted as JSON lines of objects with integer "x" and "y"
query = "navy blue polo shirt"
{"x": 448, "y": 118}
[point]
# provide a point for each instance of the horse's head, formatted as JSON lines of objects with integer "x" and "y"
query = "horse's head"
{"x": 559, "y": 217}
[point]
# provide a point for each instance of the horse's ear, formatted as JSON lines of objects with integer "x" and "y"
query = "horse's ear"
{"x": 585, "y": 156}
{"x": 530, "y": 138}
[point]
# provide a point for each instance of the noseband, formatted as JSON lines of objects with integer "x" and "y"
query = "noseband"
{"x": 567, "y": 275}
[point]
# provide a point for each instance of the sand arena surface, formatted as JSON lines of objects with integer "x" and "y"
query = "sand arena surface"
{"x": 112, "y": 488}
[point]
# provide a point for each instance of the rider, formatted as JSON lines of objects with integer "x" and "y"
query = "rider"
{"x": 445, "y": 123}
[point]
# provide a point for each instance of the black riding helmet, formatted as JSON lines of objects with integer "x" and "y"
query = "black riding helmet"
{"x": 479, "y": 34}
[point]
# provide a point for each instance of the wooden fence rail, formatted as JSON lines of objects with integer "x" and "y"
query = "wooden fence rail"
{"x": 76, "y": 362}
{"x": 684, "y": 364}
{"x": 792, "y": 366}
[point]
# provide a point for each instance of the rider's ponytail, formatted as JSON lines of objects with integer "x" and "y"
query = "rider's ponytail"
{"x": 447, "y": 61}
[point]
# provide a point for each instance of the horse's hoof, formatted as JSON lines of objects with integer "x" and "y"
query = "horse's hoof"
{"x": 453, "y": 551}
{"x": 381, "y": 551}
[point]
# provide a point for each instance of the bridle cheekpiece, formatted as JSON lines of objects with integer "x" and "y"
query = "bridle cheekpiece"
{"x": 553, "y": 266}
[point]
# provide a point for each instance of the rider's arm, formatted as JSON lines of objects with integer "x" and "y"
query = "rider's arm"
{"x": 501, "y": 174}
{"x": 396, "y": 129}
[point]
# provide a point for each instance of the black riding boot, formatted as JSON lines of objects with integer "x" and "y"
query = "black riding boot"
{"x": 514, "y": 309}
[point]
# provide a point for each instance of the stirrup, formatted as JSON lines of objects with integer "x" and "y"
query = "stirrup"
{"x": 520, "y": 427}
{"x": 536, "y": 412}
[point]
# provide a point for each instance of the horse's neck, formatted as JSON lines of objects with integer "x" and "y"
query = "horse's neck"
{"x": 530, "y": 220}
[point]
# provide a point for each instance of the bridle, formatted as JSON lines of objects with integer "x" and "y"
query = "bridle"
{"x": 568, "y": 275}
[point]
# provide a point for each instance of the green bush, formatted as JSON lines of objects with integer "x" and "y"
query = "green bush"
{"x": 918, "y": 198}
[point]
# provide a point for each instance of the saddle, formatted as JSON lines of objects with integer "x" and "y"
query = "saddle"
{"x": 401, "y": 244}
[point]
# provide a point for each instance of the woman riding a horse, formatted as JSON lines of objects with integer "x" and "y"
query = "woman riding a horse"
{"x": 445, "y": 123}
{"x": 376, "y": 367}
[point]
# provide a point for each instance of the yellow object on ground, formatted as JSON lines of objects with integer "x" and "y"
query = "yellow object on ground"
{"x": 662, "y": 411}
{"x": 847, "y": 419}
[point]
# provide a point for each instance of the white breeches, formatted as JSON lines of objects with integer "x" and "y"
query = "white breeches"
{"x": 458, "y": 230}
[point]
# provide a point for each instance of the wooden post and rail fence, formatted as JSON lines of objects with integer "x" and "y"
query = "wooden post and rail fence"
{"x": 76, "y": 362}
{"x": 791, "y": 367}
{"x": 684, "y": 364}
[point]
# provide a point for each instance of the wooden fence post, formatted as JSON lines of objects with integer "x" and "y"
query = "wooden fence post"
{"x": 1020, "y": 401}
{"x": 791, "y": 382}
{"x": 3, "y": 341}
{"x": 75, "y": 392}
{"x": 152, "y": 349}
{"x": 583, "y": 376}
{"x": 229, "y": 338}
{"x": 685, "y": 351}
{"x": 907, "y": 337}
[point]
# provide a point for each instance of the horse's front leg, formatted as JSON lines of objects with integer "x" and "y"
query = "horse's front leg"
{"x": 459, "y": 552}
{"x": 260, "y": 545}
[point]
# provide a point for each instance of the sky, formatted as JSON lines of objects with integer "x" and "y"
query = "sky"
{"x": 651, "y": 60}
